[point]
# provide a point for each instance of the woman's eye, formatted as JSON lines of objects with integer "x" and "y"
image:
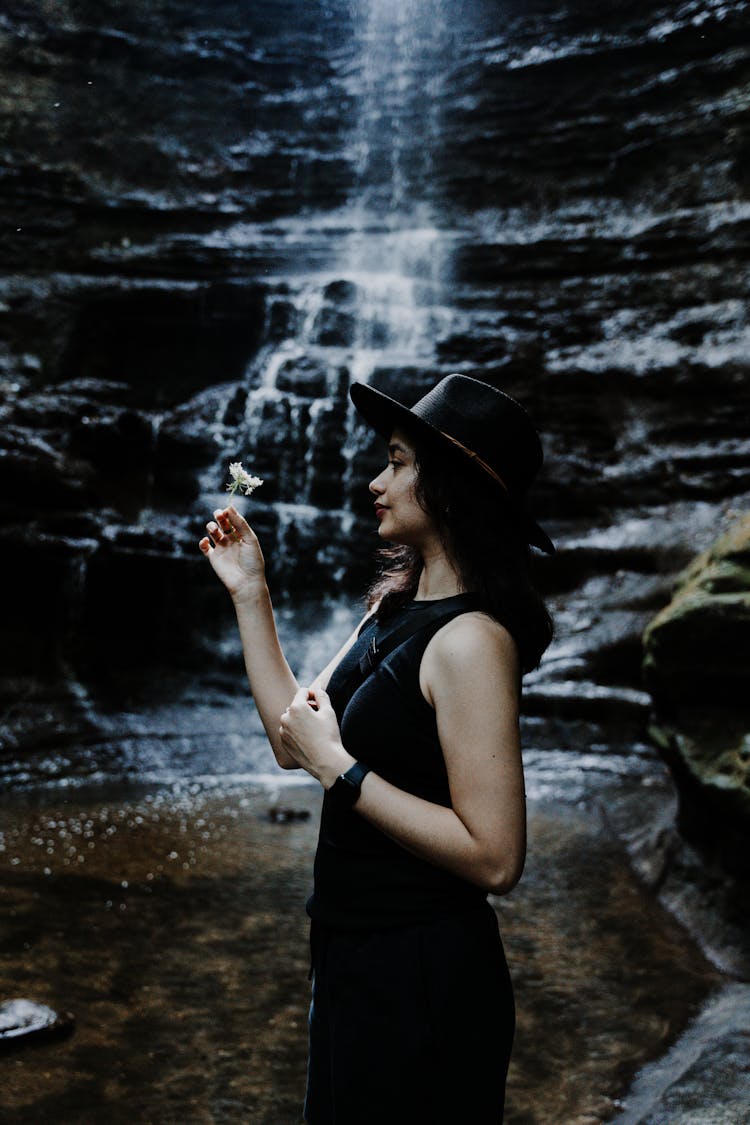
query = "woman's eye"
{"x": 394, "y": 463}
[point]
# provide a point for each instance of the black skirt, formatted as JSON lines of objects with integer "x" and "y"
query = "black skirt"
{"x": 410, "y": 1024}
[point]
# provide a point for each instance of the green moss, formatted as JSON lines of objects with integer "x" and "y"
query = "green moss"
{"x": 697, "y": 667}
{"x": 699, "y": 645}
{"x": 725, "y": 577}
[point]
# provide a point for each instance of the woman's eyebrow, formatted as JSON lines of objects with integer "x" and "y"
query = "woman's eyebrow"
{"x": 394, "y": 447}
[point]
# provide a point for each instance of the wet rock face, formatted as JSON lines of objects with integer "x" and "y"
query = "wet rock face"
{"x": 221, "y": 215}
{"x": 568, "y": 98}
{"x": 702, "y": 1078}
{"x": 191, "y": 109}
{"x": 165, "y": 342}
{"x": 713, "y": 1089}
{"x": 696, "y": 665}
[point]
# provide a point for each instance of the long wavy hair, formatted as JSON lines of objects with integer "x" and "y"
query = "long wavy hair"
{"x": 481, "y": 537}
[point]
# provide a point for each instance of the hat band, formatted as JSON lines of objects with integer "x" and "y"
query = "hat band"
{"x": 477, "y": 459}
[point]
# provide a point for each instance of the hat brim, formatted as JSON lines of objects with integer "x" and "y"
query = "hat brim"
{"x": 385, "y": 414}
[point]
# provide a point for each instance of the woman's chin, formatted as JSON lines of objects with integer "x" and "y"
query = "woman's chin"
{"x": 394, "y": 537}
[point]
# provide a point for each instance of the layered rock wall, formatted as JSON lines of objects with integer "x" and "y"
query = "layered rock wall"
{"x": 219, "y": 215}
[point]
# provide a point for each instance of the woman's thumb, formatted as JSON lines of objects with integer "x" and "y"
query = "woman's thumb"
{"x": 317, "y": 695}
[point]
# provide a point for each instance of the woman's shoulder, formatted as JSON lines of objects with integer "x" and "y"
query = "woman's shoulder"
{"x": 468, "y": 641}
{"x": 471, "y": 628}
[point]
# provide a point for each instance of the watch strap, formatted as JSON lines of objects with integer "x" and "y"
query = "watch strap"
{"x": 356, "y": 774}
{"x": 346, "y": 788}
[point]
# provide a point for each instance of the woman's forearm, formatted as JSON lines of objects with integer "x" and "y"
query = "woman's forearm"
{"x": 271, "y": 681}
{"x": 438, "y": 835}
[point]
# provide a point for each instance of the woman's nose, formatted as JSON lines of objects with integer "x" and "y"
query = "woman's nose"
{"x": 375, "y": 486}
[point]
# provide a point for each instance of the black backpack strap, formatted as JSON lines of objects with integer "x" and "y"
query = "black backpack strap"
{"x": 378, "y": 649}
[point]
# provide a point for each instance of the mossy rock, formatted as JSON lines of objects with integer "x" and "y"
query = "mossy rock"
{"x": 697, "y": 668}
{"x": 697, "y": 649}
{"x": 708, "y": 753}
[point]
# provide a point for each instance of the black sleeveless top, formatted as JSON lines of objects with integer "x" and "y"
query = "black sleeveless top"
{"x": 362, "y": 878}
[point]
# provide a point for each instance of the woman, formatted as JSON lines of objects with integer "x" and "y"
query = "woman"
{"x": 423, "y": 814}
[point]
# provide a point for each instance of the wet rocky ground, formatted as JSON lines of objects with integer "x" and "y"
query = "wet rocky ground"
{"x": 170, "y": 922}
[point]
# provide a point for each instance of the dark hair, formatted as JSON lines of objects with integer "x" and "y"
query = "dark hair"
{"x": 476, "y": 526}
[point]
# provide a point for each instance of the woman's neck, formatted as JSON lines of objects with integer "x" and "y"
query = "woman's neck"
{"x": 439, "y": 578}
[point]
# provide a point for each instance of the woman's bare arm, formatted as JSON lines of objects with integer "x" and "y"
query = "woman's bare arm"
{"x": 234, "y": 552}
{"x": 240, "y": 566}
{"x": 469, "y": 673}
{"x": 272, "y": 683}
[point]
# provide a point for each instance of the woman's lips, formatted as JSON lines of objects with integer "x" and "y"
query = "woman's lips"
{"x": 380, "y": 511}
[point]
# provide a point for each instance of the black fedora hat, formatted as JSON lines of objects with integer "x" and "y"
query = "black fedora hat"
{"x": 473, "y": 420}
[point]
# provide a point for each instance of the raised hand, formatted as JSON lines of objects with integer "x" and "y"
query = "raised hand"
{"x": 233, "y": 550}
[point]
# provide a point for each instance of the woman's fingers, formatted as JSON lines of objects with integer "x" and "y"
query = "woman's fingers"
{"x": 230, "y": 526}
{"x": 312, "y": 699}
{"x": 215, "y": 538}
{"x": 235, "y": 524}
{"x": 316, "y": 698}
{"x": 284, "y": 731}
{"x": 239, "y": 521}
{"x": 222, "y": 518}
{"x": 299, "y": 702}
{"x": 217, "y": 535}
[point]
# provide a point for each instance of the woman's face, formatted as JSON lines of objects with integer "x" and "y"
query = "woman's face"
{"x": 401, "y": 518}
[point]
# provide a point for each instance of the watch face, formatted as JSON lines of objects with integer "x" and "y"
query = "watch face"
{"x": 344, "y": 791}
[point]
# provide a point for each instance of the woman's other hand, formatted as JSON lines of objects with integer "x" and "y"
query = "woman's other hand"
{"x": 233, "y": 550}
{"x": 309, "y": 731}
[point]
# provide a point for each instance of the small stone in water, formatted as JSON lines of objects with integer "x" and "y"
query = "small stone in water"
{"x": 24, "y": 1019}
{"x": 281, "y": 815}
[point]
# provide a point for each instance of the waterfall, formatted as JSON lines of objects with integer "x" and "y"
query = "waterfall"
{"x": 372, "y": 312}
{"x": 146, "y": 513}
{"x": 404, "y": 53}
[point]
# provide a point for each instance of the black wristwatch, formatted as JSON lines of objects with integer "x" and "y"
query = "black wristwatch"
{"x": 345, "y": 789}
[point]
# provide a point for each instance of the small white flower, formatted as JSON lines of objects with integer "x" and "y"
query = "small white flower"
{"x": 242, "y": 480}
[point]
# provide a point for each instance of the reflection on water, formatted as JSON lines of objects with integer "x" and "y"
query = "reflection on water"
{"x": 171, "y": 923}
